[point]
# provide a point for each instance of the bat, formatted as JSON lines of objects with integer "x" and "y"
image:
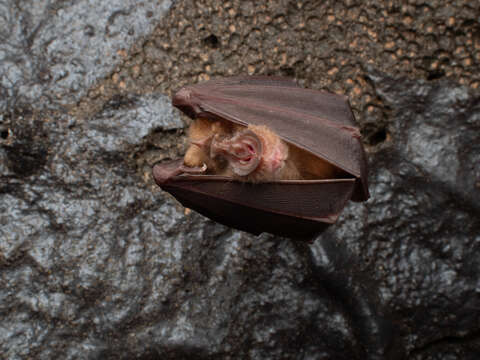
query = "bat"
{"x": 265, "y": 155}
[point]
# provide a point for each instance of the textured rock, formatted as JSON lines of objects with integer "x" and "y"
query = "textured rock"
{"x": 97, "y": 263}
{"x": 72, "y": 232}
{"x": 325, "y": 44}
{"x": 419, "y": 233}
{"x": 54, "y": 51}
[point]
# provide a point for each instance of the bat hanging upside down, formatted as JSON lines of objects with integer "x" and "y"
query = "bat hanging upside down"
{"x": 252, "y": 154}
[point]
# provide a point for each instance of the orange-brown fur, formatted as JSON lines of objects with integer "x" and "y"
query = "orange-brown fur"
{"x": 200, "y": 130}
{"x": 311, "y": 166}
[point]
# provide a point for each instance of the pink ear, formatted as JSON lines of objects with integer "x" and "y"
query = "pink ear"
{"x": 243, "y": 151}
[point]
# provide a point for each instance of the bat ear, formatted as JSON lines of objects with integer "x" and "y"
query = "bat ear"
{"x": 244, "y": 168}
{"x": 243, "y": 151}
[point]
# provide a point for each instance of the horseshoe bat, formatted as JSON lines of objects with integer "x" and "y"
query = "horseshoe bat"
{"x": 267, "y": 156}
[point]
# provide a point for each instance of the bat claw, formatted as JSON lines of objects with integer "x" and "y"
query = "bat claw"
{"x": 193, "y": 169}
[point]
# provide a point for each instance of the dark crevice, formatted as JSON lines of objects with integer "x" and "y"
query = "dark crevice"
{"x": 378, "y": 137}
{"x": 118, "y": 102}
{"x": 25, "y": 159}
{"x": 450, "y": 340}
{"x": 355, "y": 296}
{"x": 375, "y": 134}
{"x": 288, "y": 71}
{"x": 435, "y": 74}
{"x": 211, "y": 41}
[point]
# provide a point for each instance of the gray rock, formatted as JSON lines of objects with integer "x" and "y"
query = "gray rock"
{"x": 97, "y": 263}
{"x": 74, "y": 230}
{"x": 57, "y": 50}
{"x": 419, "y": 233}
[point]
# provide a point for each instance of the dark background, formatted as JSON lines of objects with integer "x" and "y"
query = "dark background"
{"x": 97, "y": 263}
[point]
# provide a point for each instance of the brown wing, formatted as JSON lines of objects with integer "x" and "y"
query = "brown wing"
{"x": 299, "y": 209}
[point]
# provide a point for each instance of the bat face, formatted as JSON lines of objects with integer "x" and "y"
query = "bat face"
{"x": 267, "y": 156}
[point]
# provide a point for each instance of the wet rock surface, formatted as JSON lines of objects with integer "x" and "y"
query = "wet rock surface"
{"x": 97, "y": 263}
{"x": 419, "y": 233}
{"x": 53, "y": 51}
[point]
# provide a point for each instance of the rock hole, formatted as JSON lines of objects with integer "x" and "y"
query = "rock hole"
{"x": 4, "y": 134}
{"x": 468, "y": 22}
{"x": 378, "y": 136}
{"x": 374, "y": 134}
{"x": 26, "y": 159}
{"x": 435, "y": 74}
{"x": 288, "y": 71}
{"x": 89, "y": 30}
{"x": 211, "y": 41}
